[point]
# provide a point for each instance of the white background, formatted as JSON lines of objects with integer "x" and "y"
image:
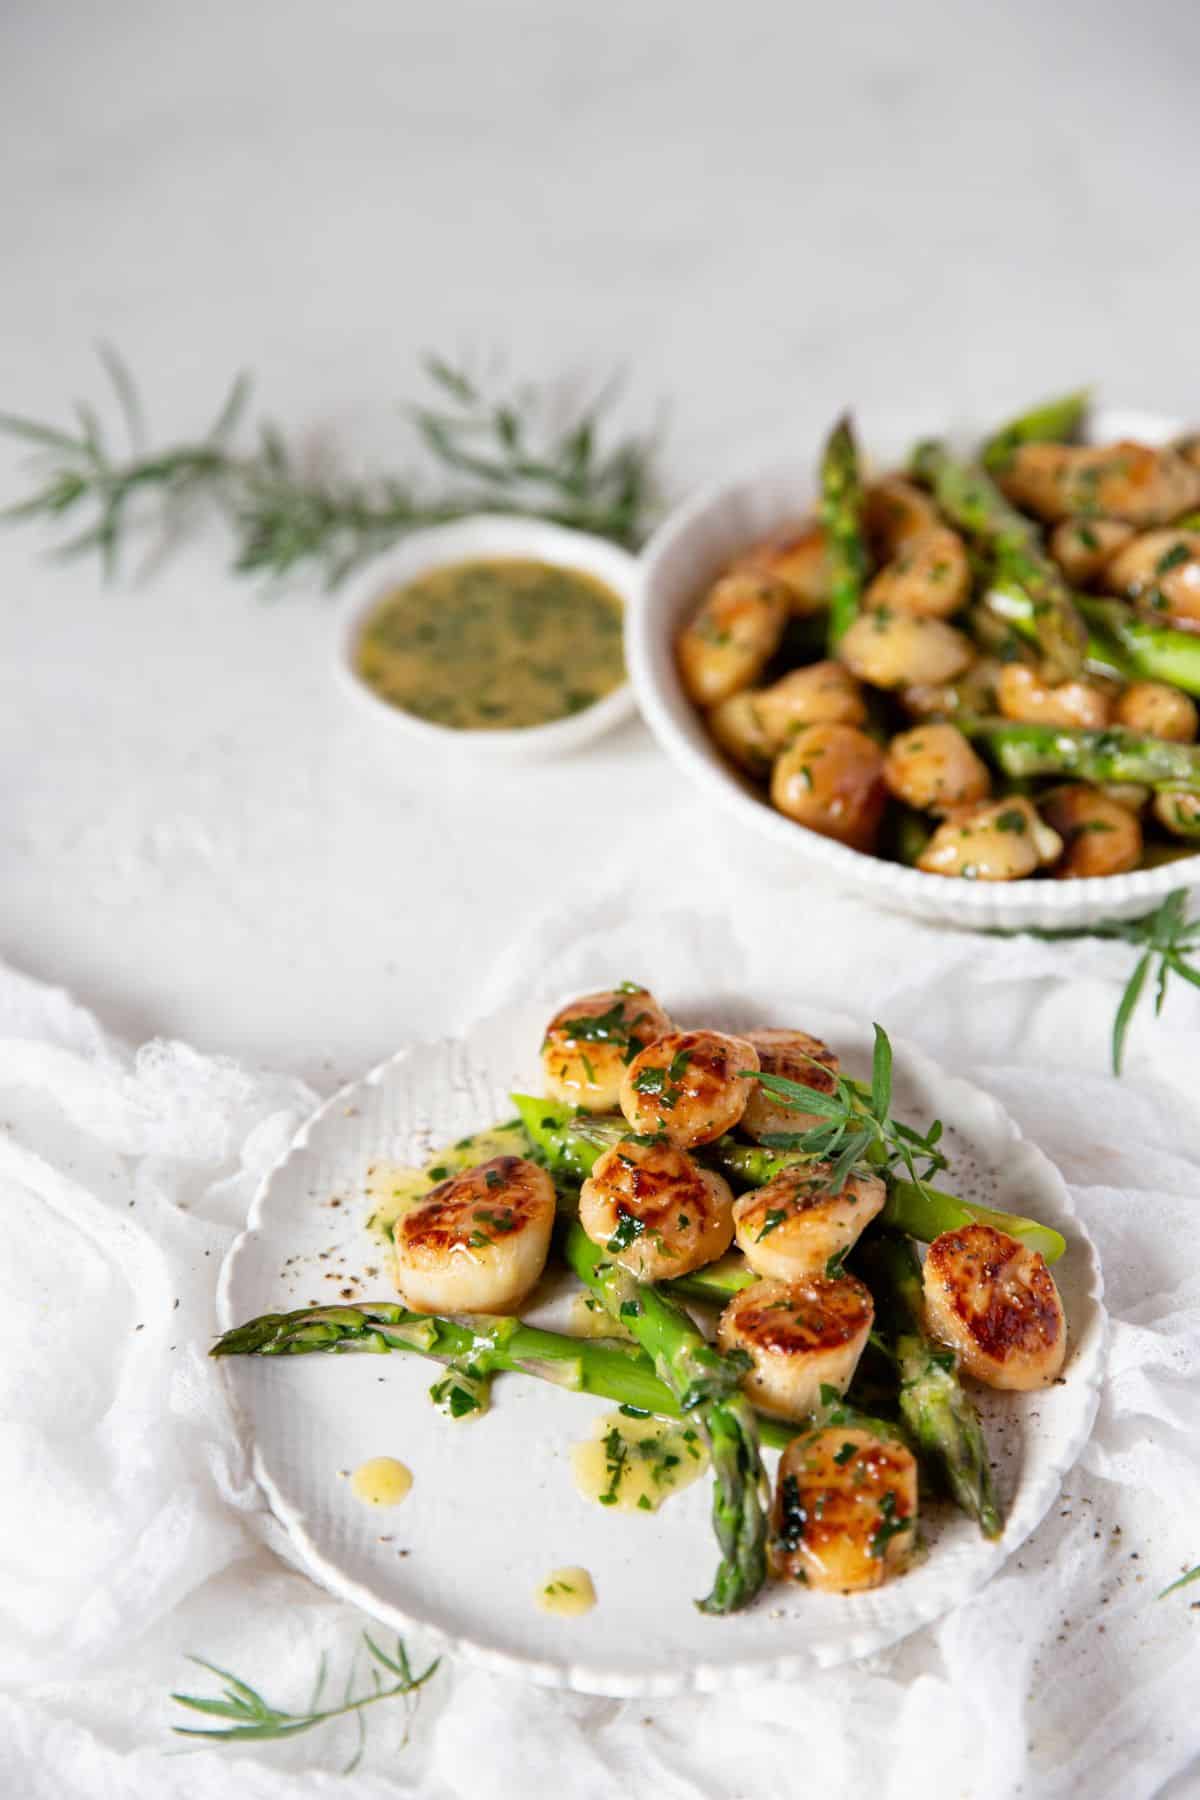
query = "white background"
{"x": 759, "y": 213}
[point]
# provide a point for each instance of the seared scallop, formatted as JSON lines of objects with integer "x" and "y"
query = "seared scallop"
{"x": 830, "y": 778}
{"x": 1132, "y": 482}
{"x": 934, "y": 768}
{"x": 1100, "y": 836}
{"x": 1160, "y": 572}
{"x": 1000, "y": 840}
{"x": 894, "y": 513}
{"x": 589, "y": 1041}
{"x": 1023, "y": 695}
{"x": 796, "y": 1057}
{"x": 732, "y": 636}
{"x": 794, "y": 1227}
{"x": 889, "y": 649}
{"x": 929, "y": 576}
{"x": 801, "y": 1336}
{"x": 993, "y": 1300}
{"x": 478, "y": 1242}
{"x": 655, "y": 1211}
{"x": 690, "y": 1085}
{"x": 797, "y": 559}
{"x": 845, "y": 1512}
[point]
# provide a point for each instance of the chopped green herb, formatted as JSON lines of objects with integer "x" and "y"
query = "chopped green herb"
{"x": 1013, "y": 820}
{"x": 842, "y": 1457}
{"x": 774, "y": 1218}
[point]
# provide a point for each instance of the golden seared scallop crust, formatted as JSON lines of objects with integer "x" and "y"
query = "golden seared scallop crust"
{"x": 1160, "y": 572}
{"x": 801, "y": 1337}
{"x": 1158, "y": 710}
{"x": 732, "y": 636}
{"x": 929, "y": 576}
{"x": 933, "y": 768}
{"x": 794, "y": 1227}
{"x": 830, "y": 778}
{"x": 799, "y": 560}
{"x": 1132, "y": 482}
{"x": 845, "y": 1510}
{"x": 478, "y": 1242}
{"x": 890, "y": 649}
{"x": 1100, "y": 836}
{"x": 1023, "y": 695}
{"x": 589, "y": 1041}
{"x": 689, "y": 1085}
{"x": 819, "y": 693}
{"x": 655, "y": 1211}
{"x": 795, "y": 1056}
{"x": 1081, "y": 547}
{"x": 1000, "y": 840}
{"x": 994, "y": 1301}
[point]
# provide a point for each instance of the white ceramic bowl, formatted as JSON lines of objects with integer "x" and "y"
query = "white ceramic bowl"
{"x": 684, "y": 556}
{"x": 485, "y": 535}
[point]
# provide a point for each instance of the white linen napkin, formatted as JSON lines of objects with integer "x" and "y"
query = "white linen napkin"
{"x": 131, "y": 1535}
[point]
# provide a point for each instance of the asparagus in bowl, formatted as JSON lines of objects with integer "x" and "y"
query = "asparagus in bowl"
{"x": 982, "y": 666}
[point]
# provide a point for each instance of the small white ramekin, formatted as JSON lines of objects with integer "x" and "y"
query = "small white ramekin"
{"x": 486, "y": 535}
{"x": 685, "y": 555}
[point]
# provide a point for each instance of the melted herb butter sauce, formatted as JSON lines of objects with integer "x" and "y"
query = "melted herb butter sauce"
{"x": 567, "y": 1592}
{"x": 634, "y": 1463}
{"x": 393, "y": 1187}
{"x": 494, "y": 645}
{"x": 381, "y": 1482}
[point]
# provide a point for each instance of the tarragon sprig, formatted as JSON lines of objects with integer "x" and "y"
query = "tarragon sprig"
{"x": 856, "y": 1124}
{"x": 289, "y": 513}
{"x": 253, "y": 1719}
{"x": 1165, "y": 938}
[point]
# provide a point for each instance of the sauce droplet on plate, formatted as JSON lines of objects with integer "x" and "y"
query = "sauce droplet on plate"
{"x": 634, "y": 1463}
{"x": 381, "y": 1482}
{"x": 567, "y": 1592}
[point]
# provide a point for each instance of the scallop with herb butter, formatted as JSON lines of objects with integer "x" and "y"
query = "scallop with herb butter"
{"x": 500, "y": 644}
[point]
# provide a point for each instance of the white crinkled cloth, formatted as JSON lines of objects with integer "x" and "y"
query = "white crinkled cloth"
{"x": 130, "y": 1534}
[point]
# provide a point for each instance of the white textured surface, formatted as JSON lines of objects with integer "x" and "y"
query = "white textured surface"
{"x": 761, "y": 212}
{"x": 470, "y": 1586}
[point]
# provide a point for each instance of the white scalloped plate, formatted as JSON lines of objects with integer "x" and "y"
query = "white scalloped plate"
{"x": 493, "y": 1509}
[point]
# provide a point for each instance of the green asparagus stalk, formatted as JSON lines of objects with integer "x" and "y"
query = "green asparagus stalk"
{"x": 842, "y": 517}
{"x": 1102, "y": 756}
{"x": 924, "y": 1213}
{"x": 972, "y": 501}
{"x": 707, "y": 1386}
{"x": 1052, "y": 422}
{"x": 612, "y": 1371}
{"x": 933, "y": 1404}
{"x": 1119, "y": 642}
{"x": 567, "y": 1141}
{"x": 1153, "y": 652}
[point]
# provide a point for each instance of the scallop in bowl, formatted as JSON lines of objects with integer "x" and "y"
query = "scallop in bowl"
{"x": 691, "y": 697}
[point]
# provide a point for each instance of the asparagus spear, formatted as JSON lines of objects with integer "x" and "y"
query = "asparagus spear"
{"x": 1112, "y": 755}
{"x": 841, "y": 515}
{"x": 612, "y": 1371}
{"x": 707, "y": 1386}
{"x": 969, "y": 497}
{"x": 1119, "y": 642}
{"x": 1051, "y": 422}
{"x": 933, "y": 1404}
{"x": 568, "y": 1142}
